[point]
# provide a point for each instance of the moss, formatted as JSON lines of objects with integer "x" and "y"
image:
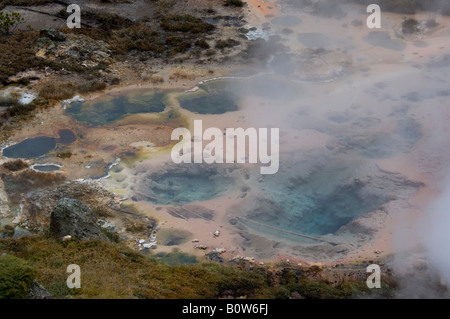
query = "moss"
{"x": 16, "y": 276}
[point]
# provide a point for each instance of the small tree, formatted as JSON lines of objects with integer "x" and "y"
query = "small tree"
{"x": 9, "y": 21}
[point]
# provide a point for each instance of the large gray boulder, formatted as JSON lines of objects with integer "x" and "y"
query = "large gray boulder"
{"x": 74, "y": 218}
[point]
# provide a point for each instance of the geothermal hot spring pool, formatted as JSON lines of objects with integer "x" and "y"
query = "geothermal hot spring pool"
{"x": 38, "y": 146}
{"x": 351, "y": 127}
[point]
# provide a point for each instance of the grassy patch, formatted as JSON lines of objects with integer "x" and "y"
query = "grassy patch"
{"x": 114, "y": 271}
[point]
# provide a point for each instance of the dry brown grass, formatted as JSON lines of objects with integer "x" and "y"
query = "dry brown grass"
{"x": 57, "y": 91}
{"x": 16, "y": 185}
{"x": 15, "y": 165}
{"x": 182, "y": 75}
{"x": 17, "y": 54}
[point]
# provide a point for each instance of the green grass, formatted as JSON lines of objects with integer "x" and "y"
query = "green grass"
{"x": 16, "y": 276}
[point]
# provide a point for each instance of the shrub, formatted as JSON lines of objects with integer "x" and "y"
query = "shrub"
{"x": 16, "y": 165}
{"x": 16, "y": 276}
{"x": 9, "y": 21}
{"x": 410, "y": 26}
{"x": 233, "y": 3}
{"x": 182, "y": 47}
{"x": 185, "y": 23}
{"x": 20, "y": 111}
{"x": 67, "y": 154}
{"x": 202, "y": 44}
{"x": 8, "y": 101}
{"x": 112, "y": 235}
{"x": 174, "y": 40}
{"x": 229, "y": 43}
{"x": 91, "y": 86}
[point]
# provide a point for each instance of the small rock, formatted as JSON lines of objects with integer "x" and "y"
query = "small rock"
{"x": 20, "y": 232}
{"x": 38, "y": 292}
{"x": 214, "y": 256}
{"x": 220, "y": 250}
{"x": 41, "y": 53}
{"x": 249, "y": 259}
